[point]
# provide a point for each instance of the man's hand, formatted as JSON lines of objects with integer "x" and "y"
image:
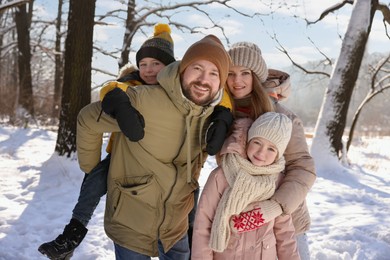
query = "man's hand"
{"x": 116, "y": 103}
{"x": 220, "y": 121}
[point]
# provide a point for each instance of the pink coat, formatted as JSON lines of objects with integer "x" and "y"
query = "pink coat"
{"x": 274, "y": 240}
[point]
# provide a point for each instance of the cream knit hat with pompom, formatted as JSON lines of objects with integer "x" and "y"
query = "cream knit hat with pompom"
{"x": 274, "y": 127}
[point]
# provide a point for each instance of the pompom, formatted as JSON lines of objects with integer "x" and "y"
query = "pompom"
{"x": 160, "y": 28}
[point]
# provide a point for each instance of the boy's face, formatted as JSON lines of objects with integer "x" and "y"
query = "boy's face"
{"x": 200, "y": 82}
{"x": 148, "y": 70}
{"x": 261, "y": 152}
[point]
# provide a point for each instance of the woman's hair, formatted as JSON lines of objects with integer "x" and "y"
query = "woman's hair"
{"x": 261, "y": 102}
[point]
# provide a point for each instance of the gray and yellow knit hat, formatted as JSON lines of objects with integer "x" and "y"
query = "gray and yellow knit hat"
{"x": 159, "y": 46}
{"x": 247, "y": 54}
{"x": 274, "y": 127}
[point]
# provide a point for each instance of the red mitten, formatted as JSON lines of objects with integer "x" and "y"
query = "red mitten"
{"x": 247, "y": 221}
{"x": 251, "y": 219}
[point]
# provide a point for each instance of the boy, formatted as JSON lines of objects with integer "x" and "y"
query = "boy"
{"x": 154, "y": 54}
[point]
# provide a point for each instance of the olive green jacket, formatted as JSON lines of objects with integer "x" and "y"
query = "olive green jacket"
{"x": 150, "y": 182}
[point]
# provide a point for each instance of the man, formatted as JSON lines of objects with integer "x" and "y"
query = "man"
{"x": 151, "y": 182}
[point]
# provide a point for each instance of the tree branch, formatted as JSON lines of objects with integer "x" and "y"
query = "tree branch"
{"x": 330, "y": 10}
{"x": 283, "y": 50}
{"x": 386, "y": 16}
{"x": 104, "y": 72}
{"x": 377, "y": 69}
{"x": 15, "y": 3}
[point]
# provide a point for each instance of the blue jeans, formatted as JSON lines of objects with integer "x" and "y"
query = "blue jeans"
{"x": 180, "y": 251}
{"x": 191, "y": 216}
{"x": 94, "y": 186}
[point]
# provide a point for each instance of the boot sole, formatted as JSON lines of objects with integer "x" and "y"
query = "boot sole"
{"x": 45, "y": 253}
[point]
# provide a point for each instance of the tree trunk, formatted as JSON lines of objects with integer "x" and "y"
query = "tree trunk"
{"x": 58, "y": 76}
{"x": 129, "y": 33}
{"x": 76, "y": 91}
{"x": 2, "y": 74}
{"x": 327, "y": 142}
{"x": 22, "y": 20}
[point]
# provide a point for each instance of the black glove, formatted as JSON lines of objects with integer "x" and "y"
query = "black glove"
{"x": 116, "y": 103}
{"x": 220, "y": 121}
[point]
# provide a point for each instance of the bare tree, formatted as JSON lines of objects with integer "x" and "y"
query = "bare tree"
{"x": 2, "y": 22}
{"x": 14, "y": 3}
{"x": 23, "y": 22}
{"x": 333, "y": 114}
{"x": 379, "y": 83}
{"x": 138, "y": 18}
{"x": 331, "y": 122}
{"x": 76, "y": 91}
{"x": 8, "y": 64}
{"x": 58, "y": 63}
{"x": 129, "y": 33}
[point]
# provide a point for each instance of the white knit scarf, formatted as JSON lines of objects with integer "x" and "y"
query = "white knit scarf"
{"x": 247, "y": 183}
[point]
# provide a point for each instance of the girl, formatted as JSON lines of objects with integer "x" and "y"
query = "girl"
{"x": 247, "y": 175}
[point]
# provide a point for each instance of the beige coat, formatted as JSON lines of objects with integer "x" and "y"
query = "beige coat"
{"x": 150, "y": 182}
{"x": 274, "y": 240}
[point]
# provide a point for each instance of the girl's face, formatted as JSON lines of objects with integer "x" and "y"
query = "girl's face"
{"x": 148, "y": 70}
{"x": 261, "y": 152}
{"x": 240, "y": 81}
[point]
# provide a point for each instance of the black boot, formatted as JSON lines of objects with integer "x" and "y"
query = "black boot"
{"x": 64, "y": 245}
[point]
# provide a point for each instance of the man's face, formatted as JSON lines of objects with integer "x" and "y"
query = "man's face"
{"x": 200, "y": 82}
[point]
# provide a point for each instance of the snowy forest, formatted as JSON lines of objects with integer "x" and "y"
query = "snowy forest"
{"x": 49, "y": 67}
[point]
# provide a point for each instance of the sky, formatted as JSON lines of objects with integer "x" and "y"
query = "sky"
{"x": 38, "y": 190}
{"x": 277, "y": 19}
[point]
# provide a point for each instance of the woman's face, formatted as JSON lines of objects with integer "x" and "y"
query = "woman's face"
{"x": 240, "y": 81}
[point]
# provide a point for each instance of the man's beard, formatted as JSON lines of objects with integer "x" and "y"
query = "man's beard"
{"x": 198, "y": 99}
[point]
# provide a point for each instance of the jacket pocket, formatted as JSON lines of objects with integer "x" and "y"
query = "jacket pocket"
{"x": 268, "y": 247}
{"x": 137, "y": 203}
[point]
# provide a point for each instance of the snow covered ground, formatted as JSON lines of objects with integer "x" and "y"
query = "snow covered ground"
{"x": 350, "y": 210}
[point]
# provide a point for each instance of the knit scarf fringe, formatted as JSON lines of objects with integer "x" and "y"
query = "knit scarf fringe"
{"x": 247, "y": 183}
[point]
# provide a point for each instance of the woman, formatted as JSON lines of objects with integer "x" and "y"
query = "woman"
{"x": 247, "y": 84}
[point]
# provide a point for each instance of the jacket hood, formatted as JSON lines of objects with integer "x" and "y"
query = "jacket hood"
{"x": 278, "y": 84}
{"x": 126, "y": 69}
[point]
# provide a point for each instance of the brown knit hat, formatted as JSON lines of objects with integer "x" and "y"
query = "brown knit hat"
{"x": 248, "y": 55}
{"x": 274, "y": 127}
{"x": 159, "y": 46}
{"x": 209, "y": 48}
